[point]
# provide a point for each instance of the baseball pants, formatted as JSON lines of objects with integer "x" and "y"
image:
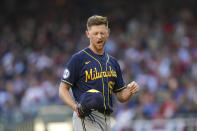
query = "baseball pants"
{"x": 96, "y": 122}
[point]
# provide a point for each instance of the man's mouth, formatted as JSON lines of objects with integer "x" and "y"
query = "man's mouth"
{"x": 100, "y": 42}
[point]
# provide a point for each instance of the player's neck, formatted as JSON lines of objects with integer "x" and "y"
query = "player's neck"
{"x": 96, "y": 51}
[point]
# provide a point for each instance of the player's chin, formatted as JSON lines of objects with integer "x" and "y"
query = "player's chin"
{"x": 100, "y": 46}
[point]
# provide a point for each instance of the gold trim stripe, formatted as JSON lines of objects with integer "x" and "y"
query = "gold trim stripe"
{"x": 107, "y": 79}
{"x": 107, "y": 61}
{"x": 83, "y": 124}
{"x": 67, "y": 82}
{"x": 119, "y": 89}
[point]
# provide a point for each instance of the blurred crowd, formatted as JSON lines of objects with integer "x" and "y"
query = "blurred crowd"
{"x": 154, "y": 42}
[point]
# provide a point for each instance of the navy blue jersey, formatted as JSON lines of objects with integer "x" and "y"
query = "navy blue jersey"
{"x": 86, "y": 70}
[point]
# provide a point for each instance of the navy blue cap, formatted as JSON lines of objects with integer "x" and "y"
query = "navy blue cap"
{"x": 92, "y": 100}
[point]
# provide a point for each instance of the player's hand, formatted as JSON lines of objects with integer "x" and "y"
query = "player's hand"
{"x": 76, "y": 109}
{"x": 133, "y": 87}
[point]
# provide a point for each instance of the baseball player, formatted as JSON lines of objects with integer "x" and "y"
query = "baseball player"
{"x": 94, "y": 75}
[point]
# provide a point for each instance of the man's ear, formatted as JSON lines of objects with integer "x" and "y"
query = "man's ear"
{"x": 109, "y": 31}
{"x": 87, "y": 33}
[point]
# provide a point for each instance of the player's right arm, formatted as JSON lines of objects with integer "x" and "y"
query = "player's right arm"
{"x": 68, "y": 80}
{"x": 65, "y": 95}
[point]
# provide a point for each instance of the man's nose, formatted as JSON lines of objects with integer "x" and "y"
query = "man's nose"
{"x": 99, "y": 36}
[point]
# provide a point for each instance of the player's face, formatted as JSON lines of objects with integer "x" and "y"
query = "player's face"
{"x": 98, "y": 35}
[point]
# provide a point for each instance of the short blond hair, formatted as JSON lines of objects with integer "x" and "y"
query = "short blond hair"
{"x": 97, "y": 20}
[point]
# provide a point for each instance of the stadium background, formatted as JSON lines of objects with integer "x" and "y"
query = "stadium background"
{"x": 155, "y": 42}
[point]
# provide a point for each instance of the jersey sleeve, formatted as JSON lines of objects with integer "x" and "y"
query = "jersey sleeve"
{"x": 71, "y": 72}
{"x": 119, "y": 84}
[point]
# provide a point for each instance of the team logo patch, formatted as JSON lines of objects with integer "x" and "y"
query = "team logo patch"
{"x": 66, "y": 73}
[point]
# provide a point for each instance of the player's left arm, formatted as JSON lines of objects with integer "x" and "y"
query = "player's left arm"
{"x": 125, "y": 94}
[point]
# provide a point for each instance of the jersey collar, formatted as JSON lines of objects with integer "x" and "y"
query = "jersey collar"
{"x": 95, "y": 55}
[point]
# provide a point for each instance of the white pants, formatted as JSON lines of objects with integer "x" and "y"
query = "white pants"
{"x": 96, "y": 122}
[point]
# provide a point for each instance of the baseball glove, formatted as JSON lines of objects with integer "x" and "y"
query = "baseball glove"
{"x": 83, "y": 111}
